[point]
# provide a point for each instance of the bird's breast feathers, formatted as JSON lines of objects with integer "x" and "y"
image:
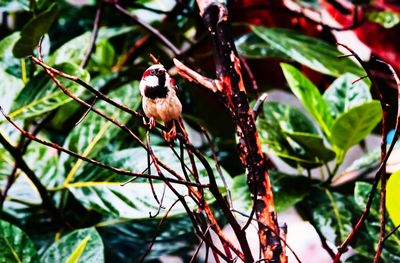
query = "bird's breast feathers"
{"x": 164, "y": 109}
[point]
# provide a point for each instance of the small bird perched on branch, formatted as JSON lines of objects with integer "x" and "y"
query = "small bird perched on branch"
{"x": 159, "y": 100}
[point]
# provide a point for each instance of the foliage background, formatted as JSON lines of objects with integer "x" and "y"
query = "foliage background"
{"x": 284, "y": 49}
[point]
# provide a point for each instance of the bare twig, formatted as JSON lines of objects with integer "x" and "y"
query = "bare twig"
{"x": 259, "y": 103}
{"x": 192, "y": 75}
{"x": 47, "y": 202}
{"x": 198, "y": 247}
{"x": 391, "y": 233}
{"x": 94, "y": 162}
{"x": 381, "y": 171}
{"x": 93, "y": 36}
{"x": 282, "y": 239}
{"x": 21, "y": 147}
{"x": 249, "y": 72}
{"x": 153, "y": 240}
{"x": 151, "y": 29}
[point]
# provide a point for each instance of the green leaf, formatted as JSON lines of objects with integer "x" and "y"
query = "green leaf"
{"x": 366, "y": 243}
{"x": 84, "y": 245}
{"x": 366, "y": 163}
{"x": 354, "y": 125}
{"x": 8, "y": 62}
{"x": 103, "y": 58}
{"x": 34, "y": 30}
{"x": 72, "y": 51}
{"x": 392, "y": 197}
{"x": 41, "y": 94}
{"x": 314, "y": 145}
{"x": 10, "y": 86}
{"x": 309, "y": 51}
{"x": 330, "y": 212}
{"x": 309, "y": 96}
{"x": 387, "y": 19}
{"x": 253, "y": 47}
{"x": 95, "y": 132}
{"x": 77, "y": 253}
{"x": 288, "y": 132}
{"x": 15, "y": 245}
{"x": 342, "y": 94}
{"x": 100, "y": 190}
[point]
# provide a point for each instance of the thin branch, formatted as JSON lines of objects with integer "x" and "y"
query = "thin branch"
{"x": 249, "y": 72}
{"x": 153, "y": 240}
{"x": 193, "y": 76}
{"x": 391, "y": 232}
{"x": 198, "y": 247}
{"x": 277, "y": 234}
{"x": 46, "y": 199}
{"x": 94, "y": 162}
{"x": 382, "y": 166}
{"x": 93, "y": 36}
{"x": 22, "y": 147}
{"x": 357, "y": 22}
{"x": 151, "y": 29}
{"x": 259, "y": 103}
{"x": 217, "y": 165}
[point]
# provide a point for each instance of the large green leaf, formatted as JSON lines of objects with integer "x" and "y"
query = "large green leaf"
{"x": 330, "y": 212}
{"x": 84, "y": 245}
{"x": 392, "y": 197}
{"x": 72, "y": 51}
{"x": 342, "y": 94}
{"x": 103, "y": 58}
{"x": 252, "y": 46}
{"x": 100, "y": 189}
{"x": 313, "y": 144}
{"x": 312, "y": 52}
{"x": 309, "y": 96}
{"x": 354, "y": 125}
{"x": 34, "y": 30}
{"x": 41, "y": 94}
{"x": 15, "y": 245}
{"x": 95, "y": 132}
{"x": 288, "y": 132}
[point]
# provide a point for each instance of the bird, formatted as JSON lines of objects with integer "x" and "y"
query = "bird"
{"x": 160, "y": 101}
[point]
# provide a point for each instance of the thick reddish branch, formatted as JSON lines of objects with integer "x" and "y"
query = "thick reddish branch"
{"x": 230, "y": 84}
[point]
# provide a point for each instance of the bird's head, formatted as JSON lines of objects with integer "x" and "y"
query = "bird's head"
{"x": 156, "y": 82}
